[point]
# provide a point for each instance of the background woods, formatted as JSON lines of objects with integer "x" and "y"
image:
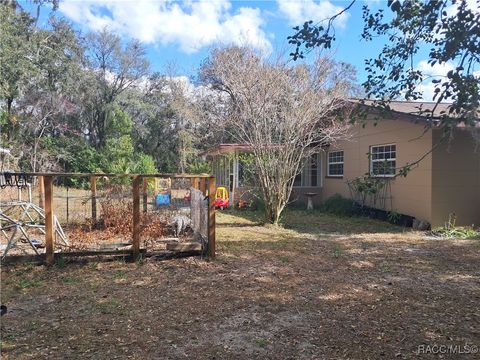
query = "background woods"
{"x": 89, "y": 102}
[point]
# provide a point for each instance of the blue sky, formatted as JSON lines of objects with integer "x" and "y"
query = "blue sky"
{"x": 181, "y": 33}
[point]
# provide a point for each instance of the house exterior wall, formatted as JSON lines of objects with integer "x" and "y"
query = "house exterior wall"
{"x": 445, "y": 181}
{"x": 456, "y": 179}
{"x": 410, "y": 195}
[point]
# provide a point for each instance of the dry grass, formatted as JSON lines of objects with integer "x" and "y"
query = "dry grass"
{"x": 319, "y": 288}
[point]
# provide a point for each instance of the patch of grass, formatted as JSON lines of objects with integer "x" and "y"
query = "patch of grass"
{"x": 119, "y": 274}
{"x": 9, "y": 337}
{"x": 28, "y": 267}
{"x": 318, "y": 222}
{"x": 121, "y": 260}
{"x": 285, "y": 258}
{"x": 338, "y": 251}
{"x": 60, "y": 262}
{"x": 69, "y": 279}
{"x": 26, "y": 283}
{"x": 140, "y": 260}
{"x": 109, "y": 307}
{"x": 261, "y": 342}
{"x": 456, "y": 232}
{"x": 32, "y": 325}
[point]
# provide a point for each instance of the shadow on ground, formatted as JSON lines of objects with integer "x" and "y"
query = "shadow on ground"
{"x": 350, "y": 291}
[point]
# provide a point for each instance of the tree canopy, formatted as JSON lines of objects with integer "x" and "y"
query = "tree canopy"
{"x": 448, "y": 29}
{"x": 89, "y": 102}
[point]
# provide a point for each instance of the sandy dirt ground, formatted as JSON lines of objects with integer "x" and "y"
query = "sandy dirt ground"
{"x": 320, "y": 287}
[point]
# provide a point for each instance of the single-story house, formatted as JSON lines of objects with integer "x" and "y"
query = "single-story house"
{"x": 446, "y": 181}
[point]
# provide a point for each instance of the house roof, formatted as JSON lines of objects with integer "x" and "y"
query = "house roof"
{"x": 415, "y": 107}
{"x": 413, "y": 111}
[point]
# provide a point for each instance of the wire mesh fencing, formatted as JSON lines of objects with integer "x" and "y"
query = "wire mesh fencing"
{"x": 159, "y": 213}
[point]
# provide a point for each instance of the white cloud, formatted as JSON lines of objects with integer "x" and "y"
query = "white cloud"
{"x": 299, "y": 11}
{"x": 435, "y": 70}
{"x": 429, "y": 72}
{"x": 192, "y": 25}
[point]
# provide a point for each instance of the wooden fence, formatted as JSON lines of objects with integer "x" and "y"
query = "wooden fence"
{"x": 203, "y": 183}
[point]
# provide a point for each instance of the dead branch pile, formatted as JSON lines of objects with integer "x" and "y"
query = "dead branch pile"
{"x": 115, "y": 224}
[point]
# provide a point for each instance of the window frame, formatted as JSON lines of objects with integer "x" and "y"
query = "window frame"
{"x": 306, "y": 171}
{"x": 335, "y": 163}
{"x": 372, "y": 161}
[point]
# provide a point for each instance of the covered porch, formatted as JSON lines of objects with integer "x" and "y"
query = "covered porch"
{"x": 229, "y": 171}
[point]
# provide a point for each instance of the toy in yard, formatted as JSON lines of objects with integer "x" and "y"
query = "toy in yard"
{"x": 221, "y": 197}
{"x": 163, "y": 193}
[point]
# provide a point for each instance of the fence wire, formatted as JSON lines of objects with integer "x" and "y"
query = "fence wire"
{"x": 173, "y": 213}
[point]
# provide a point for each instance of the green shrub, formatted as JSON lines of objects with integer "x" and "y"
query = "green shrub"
{"x": 338, "y": 205}
{"x": 457, "y": 232}
{"x": 199, "y": 166}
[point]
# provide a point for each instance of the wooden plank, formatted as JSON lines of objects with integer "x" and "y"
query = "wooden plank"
{"x": 41, "y": 192}
{"x": 131, "y": 176}
{"x": 211, "y": 217}
{"x": 136, "y": 217}
{"x": 145, "y": 195}
{"x": 195, "y": 182}
{"x": 78, "y": 255}
{"x": 189, "y": 246}
{"x": 49, "y": 225}
{"x": 203, "y": 185}
{"x": 93, "y": 187}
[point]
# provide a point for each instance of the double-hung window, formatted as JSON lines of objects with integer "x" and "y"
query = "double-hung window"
{"x": 335, "y": 163}
{"x": 383, "y": 160}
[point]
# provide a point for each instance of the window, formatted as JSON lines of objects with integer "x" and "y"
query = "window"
{"x": 335, "y": 163}
{"x": 383, "y": 160}
{"x": 310, "y": 174}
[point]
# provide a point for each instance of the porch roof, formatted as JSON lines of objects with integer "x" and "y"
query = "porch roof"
{"x": 225, "y": 149}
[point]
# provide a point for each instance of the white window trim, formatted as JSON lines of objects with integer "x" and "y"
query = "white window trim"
{"x": 335, "y": 162}
{"x": 371, "y": 161}
{"x": 319, "y": 175}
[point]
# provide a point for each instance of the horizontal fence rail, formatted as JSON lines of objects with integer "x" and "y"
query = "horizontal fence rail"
{"x": 202, "y": 187}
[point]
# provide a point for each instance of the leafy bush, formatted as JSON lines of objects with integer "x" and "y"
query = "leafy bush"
{"x": 338, "y": 205}
{"x": 199, "y": 166}
{"x": 456, "y": 232}
{"x": 450, "y": 230}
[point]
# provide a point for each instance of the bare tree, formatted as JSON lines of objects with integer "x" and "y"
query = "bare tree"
{"x": 285, "y": 112}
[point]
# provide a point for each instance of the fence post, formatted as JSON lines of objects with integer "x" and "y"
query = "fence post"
{"x": 136, "y": 217}
{"x": 203, "y": 185}
{"x": 145, "y": 194}
{"x": 211, "y": 217}
{"x": 49, "y": 226}
{"x": 68, "y": 210}
{"x": 93, "y": 186}
{"x": 41, "y": 192}
{"x": 195, "y": 182}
